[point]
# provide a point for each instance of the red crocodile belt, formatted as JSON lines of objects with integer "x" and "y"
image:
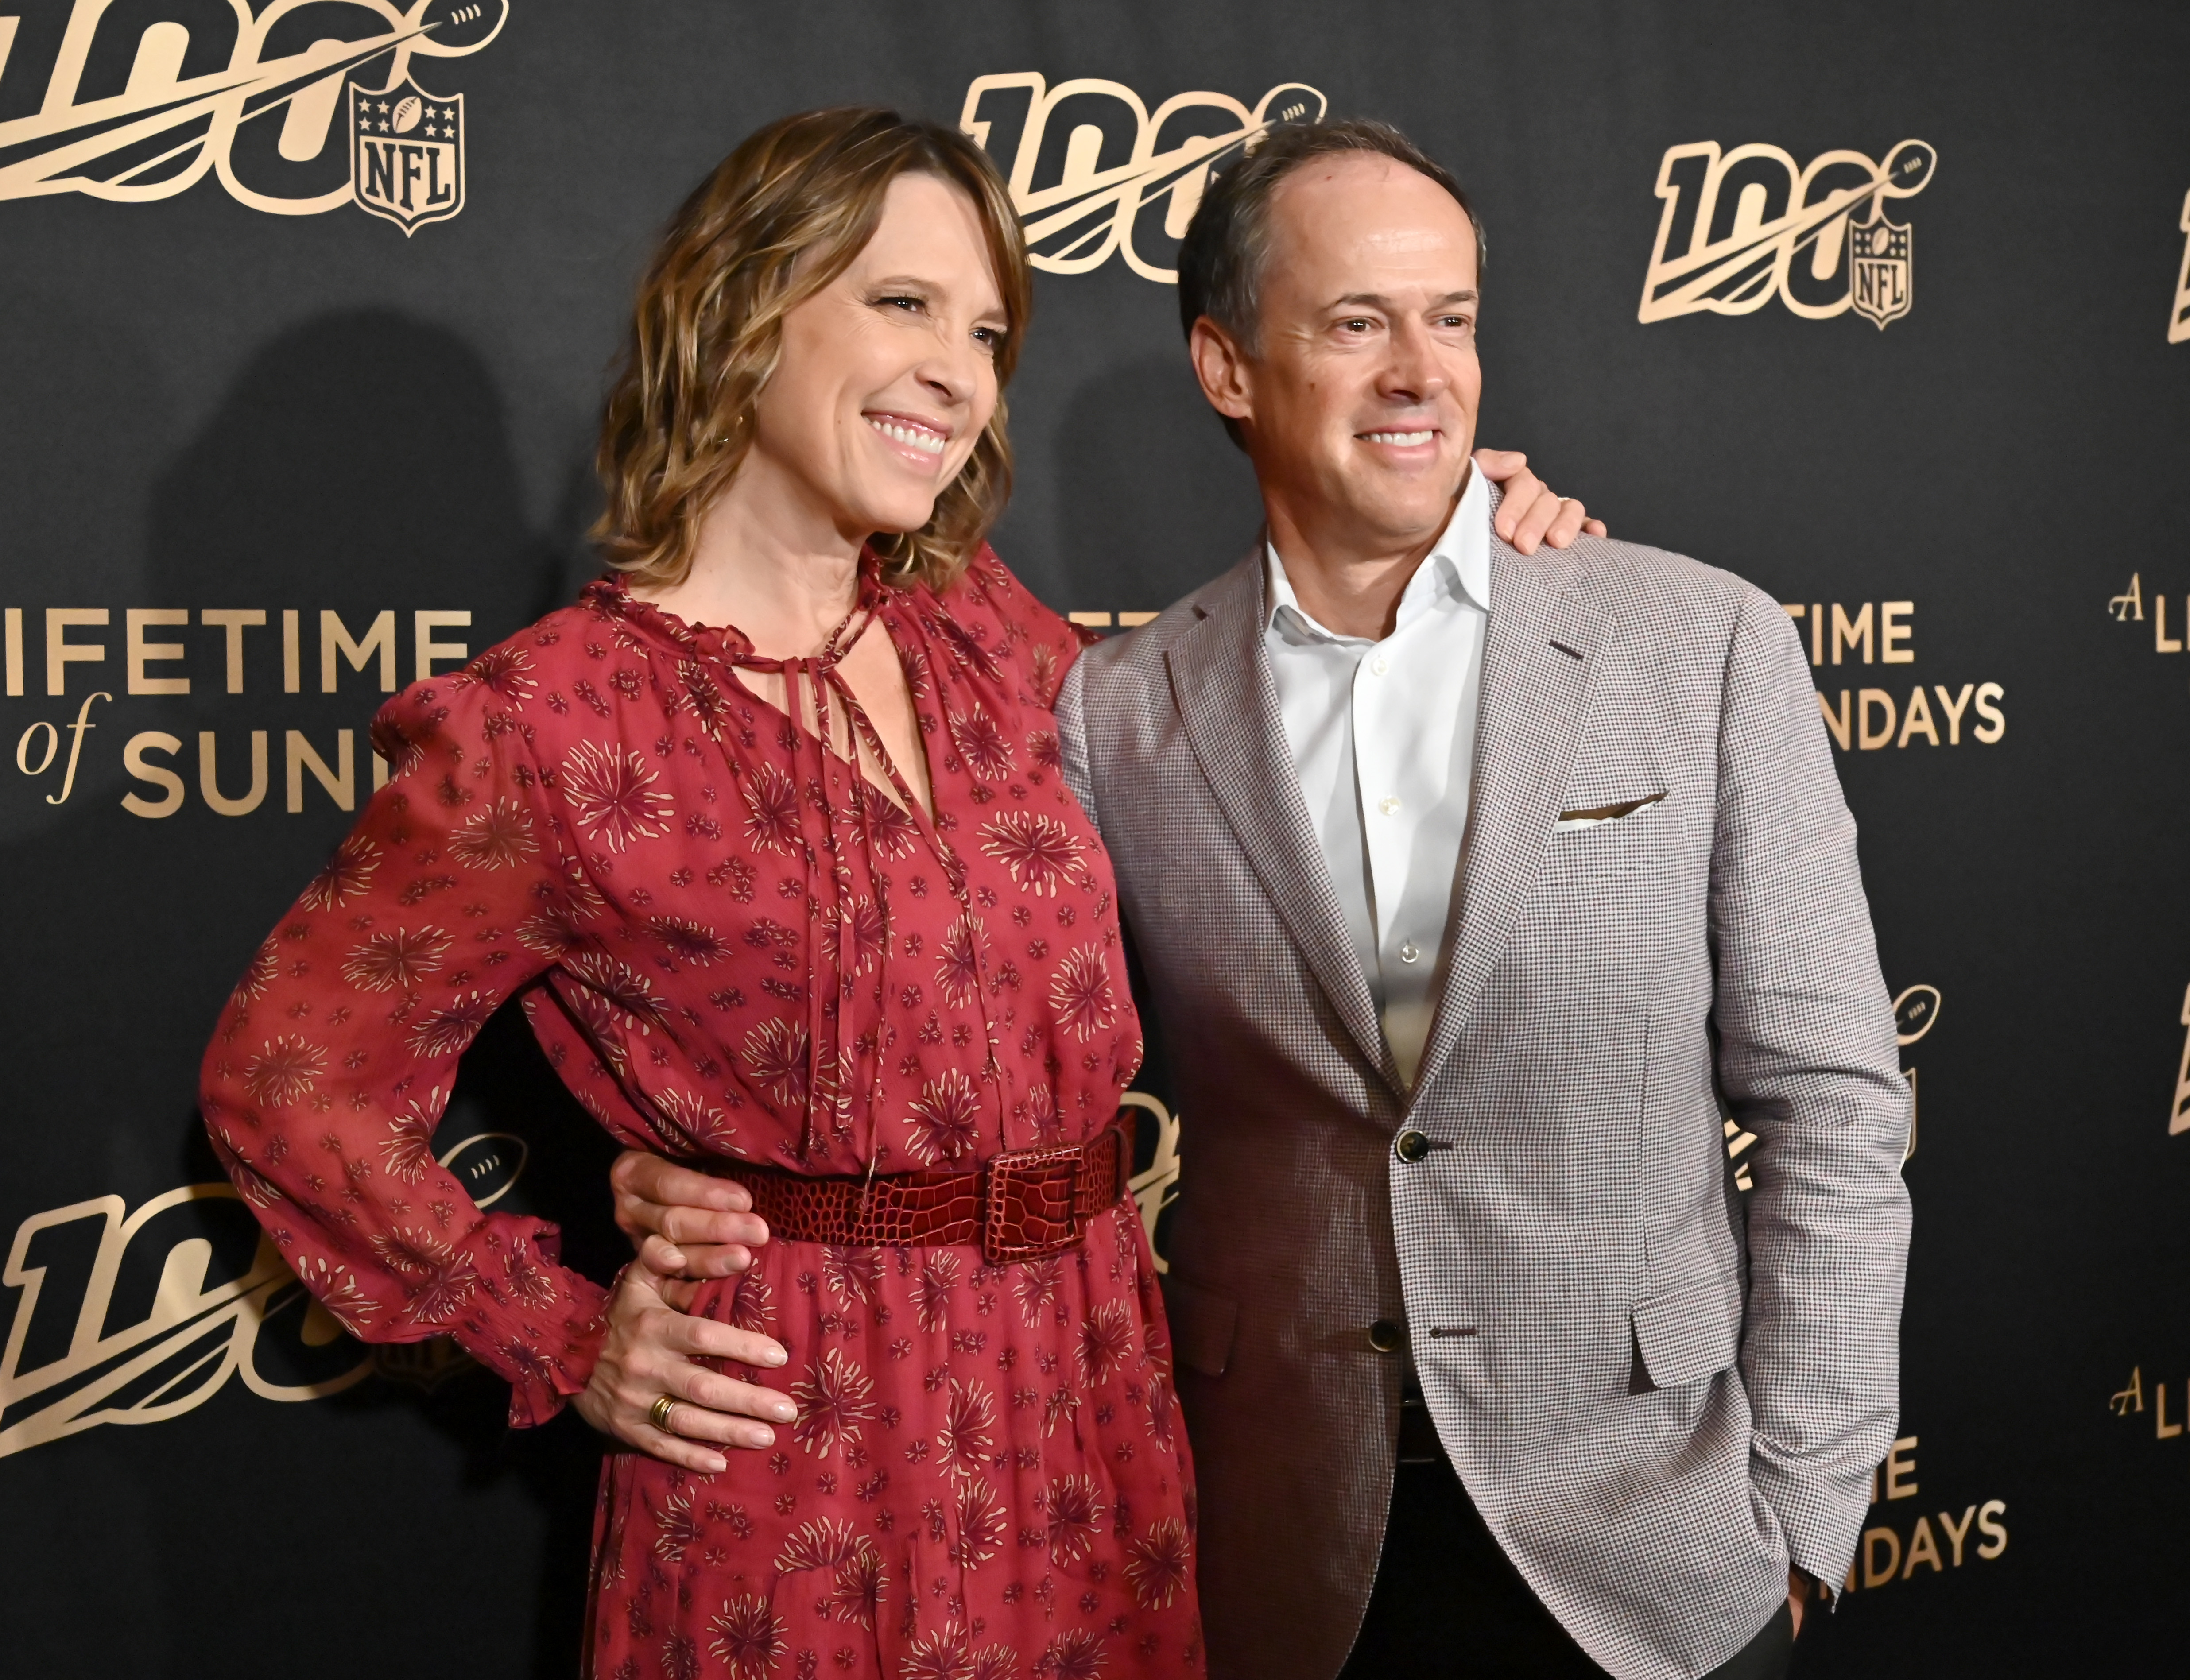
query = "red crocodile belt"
{"x": 1018, "y": 1206}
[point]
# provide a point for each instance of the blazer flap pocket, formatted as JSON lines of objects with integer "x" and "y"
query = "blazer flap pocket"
{"x": 1692, "y": 1333}
{"x": 1202, "y": 1325}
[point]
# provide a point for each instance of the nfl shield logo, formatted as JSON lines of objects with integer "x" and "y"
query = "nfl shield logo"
{"x": 407, "y": 154}
{"x": 1878, "y": 267}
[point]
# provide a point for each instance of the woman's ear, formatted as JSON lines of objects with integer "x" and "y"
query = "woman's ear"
{"x": 1225, "y": 373}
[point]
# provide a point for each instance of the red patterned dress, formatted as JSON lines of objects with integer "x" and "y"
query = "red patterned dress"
{"x": 733, "y": 947}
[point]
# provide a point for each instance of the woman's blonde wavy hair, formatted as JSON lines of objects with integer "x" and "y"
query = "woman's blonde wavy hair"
{"x": 779, "y": 219}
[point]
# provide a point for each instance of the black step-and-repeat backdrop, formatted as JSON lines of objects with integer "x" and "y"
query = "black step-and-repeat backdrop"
{"x": 304, "y": 310}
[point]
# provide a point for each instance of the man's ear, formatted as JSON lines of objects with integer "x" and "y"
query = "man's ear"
{"x": 1224, "y": 369}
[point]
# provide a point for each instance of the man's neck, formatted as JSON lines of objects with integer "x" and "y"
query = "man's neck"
{"x": 1349, "y": 580}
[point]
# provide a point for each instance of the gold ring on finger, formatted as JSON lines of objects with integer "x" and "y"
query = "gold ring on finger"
{"x": 658, "y": 1413}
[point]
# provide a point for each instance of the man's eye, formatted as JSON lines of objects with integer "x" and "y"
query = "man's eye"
{"x": 1356, "y": 325}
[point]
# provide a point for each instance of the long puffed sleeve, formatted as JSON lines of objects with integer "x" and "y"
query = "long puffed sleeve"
{"x": 336, "y": 1055}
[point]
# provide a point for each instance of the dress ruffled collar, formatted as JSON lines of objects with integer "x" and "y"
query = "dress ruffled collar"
{"x": 611, "y": 595}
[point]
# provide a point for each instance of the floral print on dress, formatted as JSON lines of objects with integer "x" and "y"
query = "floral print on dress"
{"x": 734, "y": 947}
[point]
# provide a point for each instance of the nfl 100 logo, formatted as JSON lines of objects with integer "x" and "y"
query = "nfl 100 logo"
{"x": 134, "y": 102}
{"x": 1741, "y": 227}
{"x": 406, "y": 151}
{"x": 1093, "y": 172}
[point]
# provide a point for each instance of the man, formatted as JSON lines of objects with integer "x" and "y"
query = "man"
{"x": 1478, "y": 883}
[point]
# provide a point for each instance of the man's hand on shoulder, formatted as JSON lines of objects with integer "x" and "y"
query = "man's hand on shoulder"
{"x": 685, "y": 1226}
{"x": 1529, "y": 513}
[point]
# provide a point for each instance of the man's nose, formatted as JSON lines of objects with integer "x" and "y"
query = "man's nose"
{"x": 1414, "y": 372}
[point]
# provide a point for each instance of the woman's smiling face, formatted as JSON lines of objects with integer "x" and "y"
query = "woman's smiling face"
{"x": 887, "y": 375}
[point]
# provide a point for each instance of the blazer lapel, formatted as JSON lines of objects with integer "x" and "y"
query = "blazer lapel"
{"x": 1539, "y": 661}
{"x": 1221, "y": 679}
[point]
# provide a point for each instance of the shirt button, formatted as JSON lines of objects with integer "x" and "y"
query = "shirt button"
{"x": 1387, "y": 1336}
{"x": 1380, "y": 665}
{"x": 1410, "y": 1145}
{"x": 1388, "y": 806}
{"x": 1410, "y": 952}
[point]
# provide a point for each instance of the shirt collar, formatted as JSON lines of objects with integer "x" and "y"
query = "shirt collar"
{"x": 1458, "y": 567}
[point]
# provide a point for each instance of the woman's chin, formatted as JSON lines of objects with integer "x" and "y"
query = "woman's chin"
{"x": 898, "y": 515}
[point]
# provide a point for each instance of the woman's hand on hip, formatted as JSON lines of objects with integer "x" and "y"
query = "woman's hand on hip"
{"x": 684, "y": 1225}
{"x": 649, "y": 1353}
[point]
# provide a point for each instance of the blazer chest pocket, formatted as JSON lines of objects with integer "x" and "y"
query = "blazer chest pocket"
{"x": 1605, "y": 817}
{"x": 1203, "y": 1324}
{"x": 1598, "y": 838}
{"x": 1688, "y": 1334}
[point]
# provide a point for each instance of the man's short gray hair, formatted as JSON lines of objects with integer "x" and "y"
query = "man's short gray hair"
{"x": 1220, "y": 264}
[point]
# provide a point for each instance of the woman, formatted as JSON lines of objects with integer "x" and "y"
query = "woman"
{"x": 767, "y": 834}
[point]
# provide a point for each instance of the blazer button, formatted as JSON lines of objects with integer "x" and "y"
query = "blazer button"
{"x": 1386, "y": 1337}
{"x": 1411, "y": 1145}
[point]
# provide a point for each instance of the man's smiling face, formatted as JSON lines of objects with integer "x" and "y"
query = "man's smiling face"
{"x": 1363, "y": 385}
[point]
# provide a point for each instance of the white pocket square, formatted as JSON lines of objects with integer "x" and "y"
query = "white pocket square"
{"x": 1596, "y": 815}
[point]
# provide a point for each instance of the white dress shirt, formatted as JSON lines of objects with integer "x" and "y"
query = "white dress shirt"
{"x": 1383, "y": 736}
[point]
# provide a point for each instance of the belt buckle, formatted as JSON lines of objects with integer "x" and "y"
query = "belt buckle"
{"x": 1028, "y": 1200}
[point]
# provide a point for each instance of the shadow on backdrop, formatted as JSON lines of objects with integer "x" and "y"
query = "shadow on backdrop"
{"x": 1151, "y": 492}
{"x": 361, "y": 458}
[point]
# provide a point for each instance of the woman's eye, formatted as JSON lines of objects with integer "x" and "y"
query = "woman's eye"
{"x": 990, "y": 338}
{"x": 910, "y": 305}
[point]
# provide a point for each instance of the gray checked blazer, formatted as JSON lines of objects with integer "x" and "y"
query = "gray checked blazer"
{"x": 1656, "y": 1389}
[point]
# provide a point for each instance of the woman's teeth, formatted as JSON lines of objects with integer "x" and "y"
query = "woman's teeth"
{"x": 926, "y": 442}
{"x": 1403, "y": 440}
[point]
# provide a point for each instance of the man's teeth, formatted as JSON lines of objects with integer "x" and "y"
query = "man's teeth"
{"x": 926, "y": 442}
{"x": 1403, "y": 440}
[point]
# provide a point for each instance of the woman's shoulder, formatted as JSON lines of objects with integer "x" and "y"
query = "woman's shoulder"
{"x": 530, "y": 678}
{"x": 989, "y": 604}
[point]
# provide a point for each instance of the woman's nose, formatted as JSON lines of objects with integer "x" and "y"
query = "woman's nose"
{"x": 952, "y": 368}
